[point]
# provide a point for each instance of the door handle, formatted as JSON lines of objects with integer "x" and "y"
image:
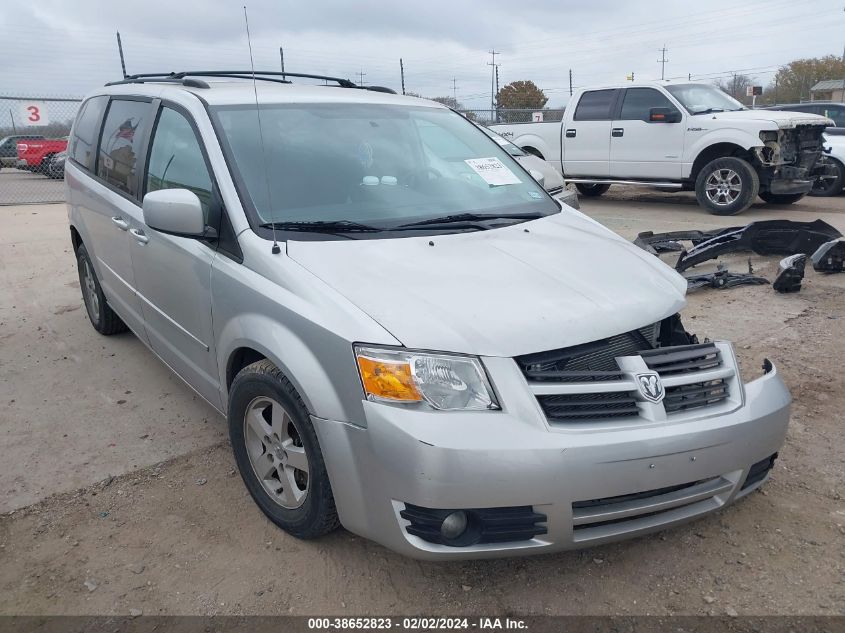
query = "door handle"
{"x": 120, "y": 223}
{"x": 617, "y": 131}
{"x": 570, "y": 133}
{"x": 138, "y": 234}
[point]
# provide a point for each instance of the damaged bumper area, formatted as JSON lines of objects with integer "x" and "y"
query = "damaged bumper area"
{"x": 768, "y": 237}
{"x": 579, "y": 455}
{"x": 786, "y": 162}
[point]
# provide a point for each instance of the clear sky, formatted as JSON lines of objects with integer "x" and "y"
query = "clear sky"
{"x": 67, "y": 47}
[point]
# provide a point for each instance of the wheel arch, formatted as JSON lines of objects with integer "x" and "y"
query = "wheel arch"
{"x": 75, "y": 238}
{"x": 714, "y": 151}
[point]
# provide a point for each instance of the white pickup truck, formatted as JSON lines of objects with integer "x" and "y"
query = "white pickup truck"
{"x": 689, "y": 136}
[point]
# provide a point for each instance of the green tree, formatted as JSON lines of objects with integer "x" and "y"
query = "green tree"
{"x": 521, "y": 94}
{"x": 792, "y": 82}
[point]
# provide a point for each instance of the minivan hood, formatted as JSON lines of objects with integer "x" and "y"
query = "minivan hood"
{"x": 782, "y": 119}
{"x": 545, "y": 284}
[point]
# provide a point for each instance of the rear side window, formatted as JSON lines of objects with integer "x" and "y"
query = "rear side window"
{"x": 177, "y": 161}
{"x": 639, "y": 101}
{"x": 837, "y": 114}
{"x": 595, "y": 105}
{"x": 83, "y": 139}
{"x": 120, "y": 144}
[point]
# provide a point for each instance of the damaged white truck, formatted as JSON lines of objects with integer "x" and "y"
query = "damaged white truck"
{"x": 680, "y": 136}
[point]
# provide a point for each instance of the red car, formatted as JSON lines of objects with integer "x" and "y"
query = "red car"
{"x": 36, "y": 155}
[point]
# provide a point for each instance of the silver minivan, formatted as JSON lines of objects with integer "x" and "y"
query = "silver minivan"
{"x": 408, "y": 335}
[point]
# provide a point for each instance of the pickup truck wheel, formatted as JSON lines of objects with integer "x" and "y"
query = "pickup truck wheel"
{"x": 102, "y": 317}
{"x": 781, "y": 198}
{"x": 591, "y": 191}
{"x": 832, "y": 184}
{"x": 278, "y": 454}
{"x": 727, "y": 186}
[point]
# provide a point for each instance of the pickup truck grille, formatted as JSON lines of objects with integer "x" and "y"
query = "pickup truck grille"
{"x": 585, "y": 383}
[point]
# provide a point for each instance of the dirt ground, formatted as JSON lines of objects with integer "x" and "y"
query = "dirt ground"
{"x": 119, "y": 491}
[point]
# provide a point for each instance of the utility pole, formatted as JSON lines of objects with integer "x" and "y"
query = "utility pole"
{"x": 12, "y": 117}
{"x": 282, "y": 58}
{"x": 662, "y": 61}
{"x": 361, "y": 74}
{"x": 497, "y": 82}
{"x": 402, "y": 74}
{"x": 120, "y": 50}
{"x": 492, "y": 83}
{"x": 454, "y": 90}
{"x": 570, "y": 82}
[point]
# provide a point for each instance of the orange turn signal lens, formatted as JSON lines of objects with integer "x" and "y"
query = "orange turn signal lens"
{"x": 389, "y": 380}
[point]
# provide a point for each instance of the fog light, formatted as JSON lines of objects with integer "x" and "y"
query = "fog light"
{"x": 454, "y": 525}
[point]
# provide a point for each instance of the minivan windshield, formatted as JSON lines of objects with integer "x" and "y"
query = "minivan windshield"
{"x": 703, "y": 99}
{"x": 375, "y": 165}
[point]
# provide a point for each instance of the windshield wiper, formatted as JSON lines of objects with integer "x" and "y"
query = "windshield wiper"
{"x": 708, "y": 111}
{"x": 322, "y": 226}
{"x": 464, "y": 218}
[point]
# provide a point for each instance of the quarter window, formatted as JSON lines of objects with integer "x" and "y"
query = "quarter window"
{"x": 177, "y": 161}
{"x": 83, "y": 139}
{"x": 120, "y": 144}
{"x": 595, "y": 105}
{"x": 639, "y": 101}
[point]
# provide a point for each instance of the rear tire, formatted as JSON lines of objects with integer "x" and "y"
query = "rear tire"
{"x": 830, "y": 187}
{"x": 272, "y": 437}
{"x": 102, "y": 317}
{"x": 727, "y": 186}
{"x": 591, "y": 191}
{"x": 781, "y": 198}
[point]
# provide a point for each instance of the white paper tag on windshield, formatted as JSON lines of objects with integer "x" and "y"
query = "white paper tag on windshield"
{"x": 493, "y": 171}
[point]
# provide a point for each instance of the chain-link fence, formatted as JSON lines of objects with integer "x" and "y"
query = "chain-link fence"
{"x": 33, "y": 139}
{"x": 502, "y": 115}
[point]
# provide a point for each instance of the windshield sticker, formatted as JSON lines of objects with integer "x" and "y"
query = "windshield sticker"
{"x": 493, "y": 171}
{"x": 535, "y": 194}
{"x": 364, "y": 154}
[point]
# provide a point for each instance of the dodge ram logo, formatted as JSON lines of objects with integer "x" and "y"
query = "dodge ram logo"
{"x": 650, "y": 386}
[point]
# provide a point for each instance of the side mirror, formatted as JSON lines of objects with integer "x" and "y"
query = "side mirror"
{"x": 539, "y": 177}
{"x": 664, "y": 115}
{"x": 176, "y": 211}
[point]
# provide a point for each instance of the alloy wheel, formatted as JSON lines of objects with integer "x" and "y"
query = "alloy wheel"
{"x": 723, "y": 187}
{"x": 275, "y": 451}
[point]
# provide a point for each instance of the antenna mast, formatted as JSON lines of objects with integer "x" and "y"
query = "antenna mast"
{"x": 275, "y": 250}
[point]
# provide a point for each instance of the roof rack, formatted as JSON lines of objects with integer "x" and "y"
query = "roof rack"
{"x": 185, "y": 78}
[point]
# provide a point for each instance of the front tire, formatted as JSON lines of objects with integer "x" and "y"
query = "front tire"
{"x": 591, "y": 191}
{"x": 102, "y": 317}
{"x": 727, "y": 186}
{"x": 278, "y": 454}
{"x": 781, "y": 198}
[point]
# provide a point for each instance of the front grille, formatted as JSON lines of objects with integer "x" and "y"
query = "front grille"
{"x": 758, "y": 471}
{"x": 585, "y": 371}
{"x": 581, "y": 406}
{"x": 669, "y": 361}
{"x": 612, "y": 516}
{"x": 694, "y": 395}
{"x": 597, "y": 358}
{"x": 484, "y": 525}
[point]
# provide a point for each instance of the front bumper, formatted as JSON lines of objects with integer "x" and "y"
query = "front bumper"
{"x": 514, "y": 458}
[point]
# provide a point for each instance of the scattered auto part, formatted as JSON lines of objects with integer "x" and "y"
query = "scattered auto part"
{"x": 722, "y": 278}
{"x": 790, "y": 273}
{"x": 769, "y": 237}
{"x": 829, "y": 257}
{"x": 656, "y": 243}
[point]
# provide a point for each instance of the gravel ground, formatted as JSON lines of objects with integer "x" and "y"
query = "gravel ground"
{"x": 115, "y": 506}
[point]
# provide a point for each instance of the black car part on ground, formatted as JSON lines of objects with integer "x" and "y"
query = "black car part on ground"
{"x": 768, "y": 237}
{"x": 722, "y": 278}
{"x": 790, "y": 273}
{"x": 829, "y": 257}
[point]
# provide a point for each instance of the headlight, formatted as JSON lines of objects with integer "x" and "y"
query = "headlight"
{"x": 444, "y": 381}
{"x": 767, "y": 136}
